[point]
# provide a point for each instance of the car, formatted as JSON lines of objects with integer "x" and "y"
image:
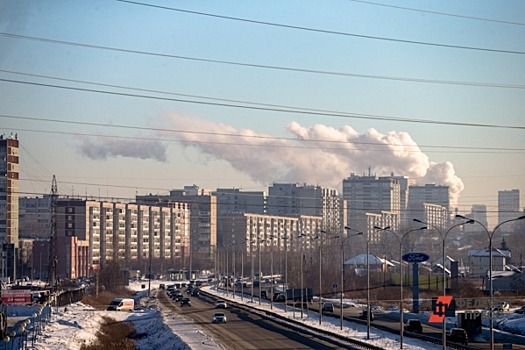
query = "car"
{"x": 521, "y": 310}
{"x": 219, "y": 317}
{"x": 185, "y": 302}
{"x": 327, "y": 307}
{"x": 221, "y": 304}
{"x": 414, "y": 325}
{"x": 458, "y": 335}
{"x": 363, "y": 315}
{"x": 195, "y": 293}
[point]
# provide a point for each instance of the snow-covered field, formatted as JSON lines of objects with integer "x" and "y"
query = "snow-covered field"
{"x": 69, "y": 329}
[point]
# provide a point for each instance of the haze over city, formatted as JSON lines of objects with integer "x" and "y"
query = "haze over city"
{"x": 142, "y": 97}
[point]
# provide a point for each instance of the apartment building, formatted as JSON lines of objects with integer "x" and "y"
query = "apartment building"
{"x": 290, "y": 199}
{"x": 255, "y": 233}
{"x": 91, "y": 233}
{"x": 430, "y": 203}
{"x": 372, "y": 201}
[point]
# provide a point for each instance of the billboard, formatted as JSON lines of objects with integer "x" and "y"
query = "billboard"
{"x": 16, "y": 296}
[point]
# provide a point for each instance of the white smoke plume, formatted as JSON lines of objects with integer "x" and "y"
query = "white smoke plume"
{"x": 318, "y": 154}
{"x": 103, "y": 148}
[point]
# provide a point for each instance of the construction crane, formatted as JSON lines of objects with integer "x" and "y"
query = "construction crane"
{"x": 53, "y": 243}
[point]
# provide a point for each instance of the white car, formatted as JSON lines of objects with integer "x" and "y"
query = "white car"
{"x": 221, "y": 304}
{"x": 219, "y": 317}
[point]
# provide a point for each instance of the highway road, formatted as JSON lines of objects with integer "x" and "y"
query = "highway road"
{"x": 393, "y": 323}
{"x": 244, "y": 330}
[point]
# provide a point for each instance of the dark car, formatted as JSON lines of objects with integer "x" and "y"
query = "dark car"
{"x": 195, "y": 293}
{"x": 328, "y": 307}
{"x": 185, "y": 302}
{"x": 414, "y": 325}
{"x": 458, "y": 335}
{"x": 521, "y": 310}
{"x": 363, "y": 315}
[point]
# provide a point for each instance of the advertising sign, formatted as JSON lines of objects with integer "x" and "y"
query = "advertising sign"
{"x": 16, "y": 296}
{"x": 415, "y": 257}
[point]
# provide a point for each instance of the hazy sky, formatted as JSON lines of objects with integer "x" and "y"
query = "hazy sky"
{"x": 117, "y": 98}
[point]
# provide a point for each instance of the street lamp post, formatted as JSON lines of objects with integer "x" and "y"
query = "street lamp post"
{"x": 401, "y": 303}
{"x": 234, "y": 252}
{"x": 443, "y": 256}
{"x": 301, "y": 271}
{"x": 367, "y": 282}
{"x": 491, "y": 290}
{"x": 343, "y": 274}
{"x": 242, "y": 268}
{"x": 260, "y": 272}
{"x": 271, "y": 272}
{"x": 227, "y": 271}
{"x": 320, "y": 274}
{"x": 252, "y": 267}
{"x": 285, "y": 273}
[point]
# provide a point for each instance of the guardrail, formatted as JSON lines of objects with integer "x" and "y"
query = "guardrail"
{"x": 296, "y": 326}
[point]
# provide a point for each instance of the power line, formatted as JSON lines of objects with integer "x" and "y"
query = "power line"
{"x": 460, "y": 149}
{"x": 325, "y": 31}
{"x": 276, "y": 109}
{"x": 440, "y": 13}
{"x": 261, "y": 66}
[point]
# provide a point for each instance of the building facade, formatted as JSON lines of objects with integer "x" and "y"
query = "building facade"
{"x": 290, "y": 199}
{"x": 203, "y": 220}
{"x": 370, "y": 199}
{"x": 255, "y": 233}
{"x": 508, "y": 208}
{"x": 9, "y": 193}
{"x": 91, "y": 234}
{"x": 428, "y": 203}
{"x": 9, "y": 189}
{"x": 234, "y": 200}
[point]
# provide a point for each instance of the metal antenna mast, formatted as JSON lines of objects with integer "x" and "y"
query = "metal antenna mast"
{"x": 53, "y": 244}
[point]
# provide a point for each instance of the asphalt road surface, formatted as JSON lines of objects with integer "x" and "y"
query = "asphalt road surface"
{"x": 244, "y": 330}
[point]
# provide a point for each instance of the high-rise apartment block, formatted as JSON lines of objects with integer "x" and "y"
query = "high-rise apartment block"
{"x": 9, "y": 193}
{"x": 256, "y": 233}
{"x": 92, "y": 234}
{"x": 372, "y": 201}
{"x": 508, "y": 205}
{"x": 430, "y": 203}
{"x": 203, "y": 219}
{"x": 290, "y": 199}
{"x": 234, "y": 200}
{"x": 9, "y": 189}
{"x": 478, "y": 213}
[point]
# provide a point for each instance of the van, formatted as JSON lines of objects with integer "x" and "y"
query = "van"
{"x": 121, "y": 304}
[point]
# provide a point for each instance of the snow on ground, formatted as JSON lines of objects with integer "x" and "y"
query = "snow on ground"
{"x": 157, "y": 329}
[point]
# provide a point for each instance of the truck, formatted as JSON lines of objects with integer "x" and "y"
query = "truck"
{"x": 121, "y": 304}
{"x": 470, "y": 321}
{"x": 295, "y": 295}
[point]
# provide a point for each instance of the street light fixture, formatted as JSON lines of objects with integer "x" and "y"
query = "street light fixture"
{"x": 401, "y": 303}
{"x": 342, "y": 272}
{"x": 443, "y": 256}
{"x": 491, "y": 291}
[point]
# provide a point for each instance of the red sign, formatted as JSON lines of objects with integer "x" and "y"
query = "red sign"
{"x": 439, "y": 313}
{"x": 16, "y": 296}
